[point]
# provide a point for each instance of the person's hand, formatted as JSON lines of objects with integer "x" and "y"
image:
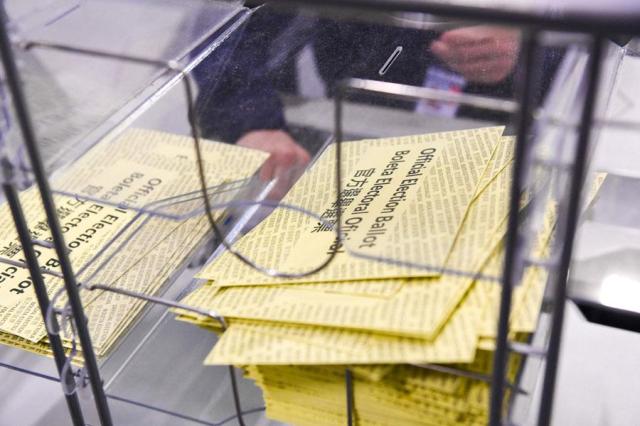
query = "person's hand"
{"x": 481, "y": 54}
{"x": 286, "y": 162}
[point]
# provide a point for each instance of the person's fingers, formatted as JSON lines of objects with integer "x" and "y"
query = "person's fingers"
{"x": 284, "y": 178}
{"x": 450, "y": 55}
{"x": 254, "y": 140}
{"x": 291, "y": 165}
{"x": 441, "y": 49}
{"x": 267, "y": 171}
{"x": 303, "y": 157}
{"x": 278, "y": 162}
{"x": 287, "y": 157}
{"x": 285, "y": 163}
{"x": 288, "y": 171}
{"x": 466, "y": 36}
{"x": 482, "y": 54}
{"x": 485, "y": 71}
{"x": 465, "y": 53}
{"x": 456, "y": 55}
{"x": 488, "y": 50}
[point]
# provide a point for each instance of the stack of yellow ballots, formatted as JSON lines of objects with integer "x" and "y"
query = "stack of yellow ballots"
{"x": 110, "y": 240}
{"x": 443, "y": 202}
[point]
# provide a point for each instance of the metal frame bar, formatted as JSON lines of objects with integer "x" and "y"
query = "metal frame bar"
{"x": 509, "y": 278}
{"x": 524, "y": 119}
{"x": 515, "y": 387}
{"x": 393, "y": 90}
{"x": 407, "y": 92}
{"x": 137, "y": 403}
{"x": 348, "y": 379}
{"x": 589, "y": 23}
{"x": 626, "y": 23}
{"x": 75, "y": 411}
{"x": 568, "y": 235}
{"x": 29, "y": 138}
{"x": 204, "y": 190}
{"x": 172, "y": 304}
{"x": 574, "y": 22}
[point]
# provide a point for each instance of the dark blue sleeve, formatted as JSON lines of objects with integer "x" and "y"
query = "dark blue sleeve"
{"x": 236, "y": 94}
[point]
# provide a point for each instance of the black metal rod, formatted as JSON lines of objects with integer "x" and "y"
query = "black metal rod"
{"x": 470, "y": 375}
{"x": 179, "y": 305}
{"x": 408, "y": 92}
{"x": 43, "y": 298}
{"x": 26, "y": 127}
{"x": 341, "y": 92}
{"x": 569, "y": 21}
{"x": 348, "y": 379}
{"x": 236, "y": 395}
{"x": 573, "y": 209}
{"x": 501, "y": 355}
{"x": 30, "y": 44}
{"x": 30, "y": 372}
{"x": 156, "y": 300}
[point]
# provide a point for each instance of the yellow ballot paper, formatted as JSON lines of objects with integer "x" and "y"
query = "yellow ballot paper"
{"x": 415, "y": 307}
{"x": 301, "y": 393}
{"x": 111, "y": 243}
{"x": 408, "y": 395}
{"x": 403, "y": 198}
{"x": 264, "y": 343}
{"x": 267, "y": 343}
{"x": 86, "y": 225}
{"x": 296, "y": 339}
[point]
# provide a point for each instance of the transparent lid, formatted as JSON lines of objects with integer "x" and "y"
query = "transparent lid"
{"x": 74, "y": 97}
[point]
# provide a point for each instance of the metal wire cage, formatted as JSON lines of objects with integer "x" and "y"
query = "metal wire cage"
{"x": 533, "y": 126}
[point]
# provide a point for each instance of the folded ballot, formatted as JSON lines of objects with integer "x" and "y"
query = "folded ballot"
{"x": 414, "y": 282}
{"x": 402, "y": 199}
{"x": 131, "y": 214}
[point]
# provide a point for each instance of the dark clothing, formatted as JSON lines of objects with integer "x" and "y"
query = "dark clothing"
{"x": 239, "y": 84}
